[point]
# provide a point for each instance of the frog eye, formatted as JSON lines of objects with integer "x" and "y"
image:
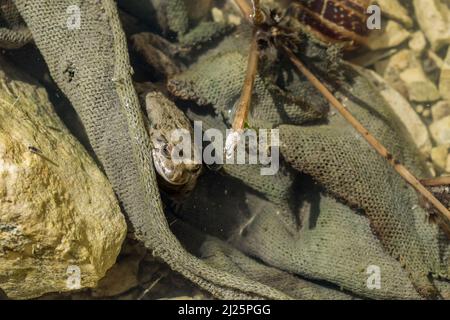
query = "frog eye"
{"x": 166, "y": 151}
{"x": 161, "y": 139}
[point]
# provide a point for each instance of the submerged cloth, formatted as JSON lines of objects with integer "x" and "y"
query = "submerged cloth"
{"x": 354, "y": 213}
{"x": 13, "y": 33}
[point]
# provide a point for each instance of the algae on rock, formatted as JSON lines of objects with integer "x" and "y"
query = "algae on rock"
{"x": 58, "y": 213}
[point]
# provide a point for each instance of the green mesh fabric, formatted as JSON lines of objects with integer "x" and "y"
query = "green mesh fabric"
{"x": 13, "y": 33}
{"x": 277, "y": 188}
{"x": 171, "y": 16}
{"x": 340, "y": 160}
{"x": 363, "y": 180}
{"x": 236, "y": 237}
{"x": 204, "y": 32}
{"x": 224, "y": 256}
{"x": 217, "y": 78}
{"x": 334, "y": 244}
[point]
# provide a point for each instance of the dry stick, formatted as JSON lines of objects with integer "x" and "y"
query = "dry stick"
{"x": 245, "y": 8}
{"x": 436, "y": 182}
{"x": 402, "y": 170}
{"x": 258, "y": 15}
{"x": 246, "y": 95}
{"x": 152, "y": 285}
{"x": 253, "y": 15}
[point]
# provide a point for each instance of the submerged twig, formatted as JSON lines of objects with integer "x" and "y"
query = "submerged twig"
{"x": 249, "y": 13}
{"x": 400, "y": 168}
{"x": 255, "y": 16}
{"x": 436, "y": 182}
{"x": 39, "y": 153}
{"x": 152, "y": 285}
{"x": 247, "y": 90}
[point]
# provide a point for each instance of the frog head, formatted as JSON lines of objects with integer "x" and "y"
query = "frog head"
{"x": 176, "y": 172}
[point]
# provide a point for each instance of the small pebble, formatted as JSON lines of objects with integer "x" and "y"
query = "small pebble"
{"x": 439, "y": 156}
{"x": 234, "y": 20}
{"x": 420, "y": 109}
{"x": 418, "y": 43}
{"x": 440, "y": 110}
{"x": 217, "y": 15}
{"x": 440, "y": 131}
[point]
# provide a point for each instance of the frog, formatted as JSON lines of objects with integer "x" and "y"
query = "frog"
{"x": 176, "y": 178}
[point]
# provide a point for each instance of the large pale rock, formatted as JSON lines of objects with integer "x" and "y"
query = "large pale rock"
{"x": 59, "y": 218}
{"x": 439, "y": 156}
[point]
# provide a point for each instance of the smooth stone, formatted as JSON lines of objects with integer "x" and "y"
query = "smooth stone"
{"x": 420, "y": 88}
{"x": 217, "y": 15}
{"x": 395, "y": 10}
{"x": 440, "y": 110}
{"x": 390, "y": 35}
{"x": 439, "y": 156}
{"x": 440, "y": 131}
{"x": 426, "y": 113}
{"x": 61, "y": 227}
{"x": 405, "y": 73}
{"x": 405, "y": 112}
{"x": 418, "y": 43}
{"x": 392, "y": 67}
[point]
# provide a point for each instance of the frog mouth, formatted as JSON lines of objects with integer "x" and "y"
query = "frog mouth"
{"x": 173, "y": 174}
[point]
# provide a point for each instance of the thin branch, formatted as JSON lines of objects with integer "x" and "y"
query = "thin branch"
{"x": 401, "y": 169}
{"x": 152, "y": 285}
{"x": 253, "y": 14}
{"x": 258, "y": 15}
{"x": 436, "y": 182}
{"x": 246, "y": 95}
{"x": 245, "y": 8}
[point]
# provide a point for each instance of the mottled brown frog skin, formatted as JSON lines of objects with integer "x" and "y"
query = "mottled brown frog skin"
{"x": 175, "y": 178}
